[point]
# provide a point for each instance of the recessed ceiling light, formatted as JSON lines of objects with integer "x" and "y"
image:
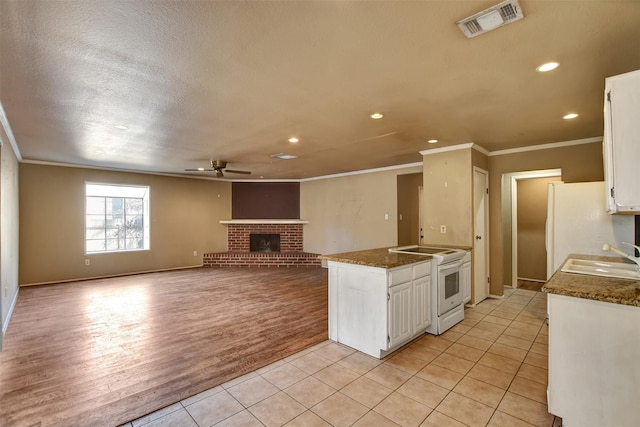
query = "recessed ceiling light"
{"x": 200, "y": 169}
{"x": 293, "y": 140}
{"x": 570, "y": 116}
{"x": 432, "y": 141}
{"x": 376, "y": 116}
{"x": 547, "y": 67}
{"x": 284, "y": 156}
{"x": 121, "y": 127}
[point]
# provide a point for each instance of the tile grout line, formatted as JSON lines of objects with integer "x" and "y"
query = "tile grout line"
{"x": 494, "y": 410}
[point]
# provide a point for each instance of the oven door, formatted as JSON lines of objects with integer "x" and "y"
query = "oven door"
{"x": 449, "y": 286}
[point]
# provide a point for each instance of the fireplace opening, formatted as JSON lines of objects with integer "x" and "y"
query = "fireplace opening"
{"x": 264, "y": 242}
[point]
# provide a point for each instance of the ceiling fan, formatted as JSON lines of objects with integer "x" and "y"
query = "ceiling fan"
{"x": 218, "y": 166}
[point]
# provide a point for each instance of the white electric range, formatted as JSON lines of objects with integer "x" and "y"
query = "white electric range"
{"x": 446, "y": 284}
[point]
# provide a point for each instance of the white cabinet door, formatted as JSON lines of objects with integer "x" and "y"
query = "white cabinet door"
{"x": 422, "y": 303}
{"x": 622, "y": 142}
{"x": 358, "y": 307}
{"x": 594, "y": 374}
{"x": 400, "y": 326}
{"x": 465, "y": 277}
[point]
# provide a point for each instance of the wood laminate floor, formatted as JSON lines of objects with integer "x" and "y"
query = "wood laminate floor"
{"x": 103, "y": 352}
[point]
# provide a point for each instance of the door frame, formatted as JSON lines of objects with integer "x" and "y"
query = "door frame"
{"x": 510, "y": 180}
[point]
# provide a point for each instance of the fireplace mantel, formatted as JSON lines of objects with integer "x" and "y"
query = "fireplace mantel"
{"x": 263, "y": 221}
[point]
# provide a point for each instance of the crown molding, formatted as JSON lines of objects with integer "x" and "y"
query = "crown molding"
{"x": 471, "y": 145}
{"x": 360, "y": 172}
{"x": 4, "y": 121}
{"x": 547, "y": 146}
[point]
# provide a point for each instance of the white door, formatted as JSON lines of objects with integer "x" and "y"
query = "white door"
{"x": 422, "y": 303}
{"x": 466, "y": 282}
{"x": 621, "y": 148}
{"x": 481, "y": 235}
{"x": 400, "y": 327}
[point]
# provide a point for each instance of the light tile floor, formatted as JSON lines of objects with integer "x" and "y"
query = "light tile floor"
{"x": 489, "y": 370}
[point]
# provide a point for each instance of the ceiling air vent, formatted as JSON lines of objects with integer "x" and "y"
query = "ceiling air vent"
{"x": 491, "y": 18}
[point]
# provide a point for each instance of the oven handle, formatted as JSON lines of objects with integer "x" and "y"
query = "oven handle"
{"x": 451, "y": 265}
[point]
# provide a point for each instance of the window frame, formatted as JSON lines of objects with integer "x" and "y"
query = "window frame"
{"x": 117, "y": 191}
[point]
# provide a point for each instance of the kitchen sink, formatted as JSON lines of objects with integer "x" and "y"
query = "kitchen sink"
{"x": 621, "y": 270}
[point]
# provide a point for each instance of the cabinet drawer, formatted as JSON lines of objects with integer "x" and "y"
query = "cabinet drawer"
{"x": 400, "y": 275}
{"x": 422, "y": 269}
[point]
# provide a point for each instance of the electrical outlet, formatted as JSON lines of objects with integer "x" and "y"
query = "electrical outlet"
{"x": 443, "y": 229}
{"x": 195, "y": 253}
{"x": 386, "y": 217}
{"x": 87, "y": 261}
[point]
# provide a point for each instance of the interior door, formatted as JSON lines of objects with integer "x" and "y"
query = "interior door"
{"x": 481, "y": 230}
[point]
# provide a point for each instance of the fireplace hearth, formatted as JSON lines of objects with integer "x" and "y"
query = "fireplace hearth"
{"x": 264, "y": 242}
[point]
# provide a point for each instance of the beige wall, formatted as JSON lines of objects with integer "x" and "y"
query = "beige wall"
{"x": 480, "y": 160}
{"x": 347, "y": 213}
{"x": 9, "y": 226}
{"x": 408, "y": 209}
{"x": 532, "y": 217}
{"x": 184, "y": 218}
{"x": 448, "y": 197}
{"x": 579, "y": 163}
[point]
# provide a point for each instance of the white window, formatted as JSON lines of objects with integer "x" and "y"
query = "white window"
{"x": 116, "y": 218}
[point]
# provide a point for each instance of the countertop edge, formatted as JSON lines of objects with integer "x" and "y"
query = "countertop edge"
{"x": 378, "y": 258}
{"x": 604, "y": 289}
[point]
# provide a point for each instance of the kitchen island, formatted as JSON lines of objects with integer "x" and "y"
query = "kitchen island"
{"x": 378, "y": 300}
{"x": 594, "y": 348}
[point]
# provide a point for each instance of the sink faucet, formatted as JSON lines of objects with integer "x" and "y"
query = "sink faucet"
{"x": 607, "y": 247}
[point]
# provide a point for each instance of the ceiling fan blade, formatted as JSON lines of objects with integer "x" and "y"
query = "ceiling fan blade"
{"x": 219, "y": 173}
{"x": 242, "y": 172}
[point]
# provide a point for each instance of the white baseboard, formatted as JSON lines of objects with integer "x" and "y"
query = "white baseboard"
{"x": 110, "y": 275}
{"x": 5, "y": 324}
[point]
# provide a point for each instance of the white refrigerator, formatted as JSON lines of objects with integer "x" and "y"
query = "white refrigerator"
{"x": 578, "y": 223}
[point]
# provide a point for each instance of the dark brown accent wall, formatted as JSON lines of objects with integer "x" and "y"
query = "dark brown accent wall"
{"x": 265, "y": 200}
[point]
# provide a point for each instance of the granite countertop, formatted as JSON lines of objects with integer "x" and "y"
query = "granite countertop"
{"x": 380, "y": 258}
{"x": 606, "y": 289}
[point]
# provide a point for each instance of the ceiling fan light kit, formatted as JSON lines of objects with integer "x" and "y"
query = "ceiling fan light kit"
{"x": 219, "y": 167}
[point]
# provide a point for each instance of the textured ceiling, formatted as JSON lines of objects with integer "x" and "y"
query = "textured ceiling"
{"x": 201, "y": 80}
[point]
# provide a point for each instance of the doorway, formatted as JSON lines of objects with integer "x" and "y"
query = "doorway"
{"x": 510, "y": 219}
{"x": 531, "y": 229}
{"x": 409, "y": 218}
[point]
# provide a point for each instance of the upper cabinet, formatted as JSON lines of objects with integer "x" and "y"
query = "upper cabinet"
{"x": 622, "y": 142}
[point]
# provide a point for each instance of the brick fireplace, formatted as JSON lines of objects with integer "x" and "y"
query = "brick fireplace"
{"x": 239, "y": 233}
